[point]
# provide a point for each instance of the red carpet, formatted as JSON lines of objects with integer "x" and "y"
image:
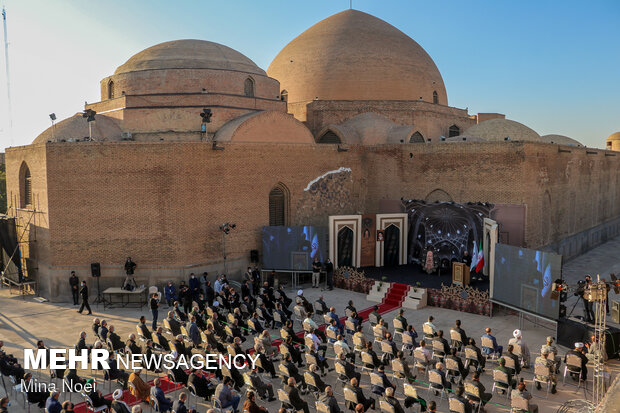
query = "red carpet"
{"x": 393, "y": 299}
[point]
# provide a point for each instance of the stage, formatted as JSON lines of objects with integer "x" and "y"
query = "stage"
{"x": 413, "y": 273}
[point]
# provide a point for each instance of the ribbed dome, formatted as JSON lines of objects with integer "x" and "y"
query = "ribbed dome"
{"x": 500, "y": 129}
{"x": 560, "y": 140}
{"x": 189, "y": 54}
{"x": 614, "y": 137}
{"x": 355, "y": 56}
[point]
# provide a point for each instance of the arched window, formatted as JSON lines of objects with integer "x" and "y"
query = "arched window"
{"x": 454, "y": 131}
{"x": 248, "y": 87}
{"x": 25, "y": 186}
{"x": 278, "y": 205}
{"x": 110, "y": 89}
{"x": 284, "y": 96}
{"x": 329, "y": 137}
{"x": 416, "y": 138}
{"x": 435, "y": 97}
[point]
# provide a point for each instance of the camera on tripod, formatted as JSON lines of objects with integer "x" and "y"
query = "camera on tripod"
{"x": 581, "y": 288}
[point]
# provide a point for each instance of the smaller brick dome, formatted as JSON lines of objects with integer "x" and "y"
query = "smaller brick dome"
{"x": 189, "y": 54}
{"x": 499, "y": 129}
{"x": 614, "y": 137}
{"x": 75, "y": 128}
{"x": 560, "y": 140}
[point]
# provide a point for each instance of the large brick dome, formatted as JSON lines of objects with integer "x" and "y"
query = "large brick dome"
{"x": 189, "y": 54}
{"x": 355, "y": 56}
{"x": 499, "y": 129}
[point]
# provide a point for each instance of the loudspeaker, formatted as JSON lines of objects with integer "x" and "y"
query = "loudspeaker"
{"x": 253, "y": 255}
{"x": 95, "y": 269}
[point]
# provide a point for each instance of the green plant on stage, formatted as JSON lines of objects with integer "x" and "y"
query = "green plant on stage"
{"x": 416, "y": 286}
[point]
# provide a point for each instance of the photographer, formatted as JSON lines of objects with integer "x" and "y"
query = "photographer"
{"x": 583, "y": 291}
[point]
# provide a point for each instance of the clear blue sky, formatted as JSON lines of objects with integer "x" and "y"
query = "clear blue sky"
{"x": 552, "y": 65}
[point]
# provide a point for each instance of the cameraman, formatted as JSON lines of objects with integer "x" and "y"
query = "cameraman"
{"x": 584, "y": 291}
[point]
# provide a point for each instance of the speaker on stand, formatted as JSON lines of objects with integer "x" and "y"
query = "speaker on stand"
{"x": 95, "y": 271}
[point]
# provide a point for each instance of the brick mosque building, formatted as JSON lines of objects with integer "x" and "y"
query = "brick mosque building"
{"x": 351, "y": 117}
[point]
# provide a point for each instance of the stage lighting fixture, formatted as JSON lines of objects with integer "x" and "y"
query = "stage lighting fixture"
{"x": 53, "y": 116}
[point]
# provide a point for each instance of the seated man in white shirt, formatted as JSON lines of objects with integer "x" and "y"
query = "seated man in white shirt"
{"x": 315, "y": 328}
{"x": 430, "y": 324}
{"x": 348, "y": 352}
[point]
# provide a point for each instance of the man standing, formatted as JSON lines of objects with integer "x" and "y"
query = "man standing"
{"x": 329, "y": 270}
{"x": 130, "y": 266}
{"x": 84, "y": 295}
{"x": 256, "y": 280}
{"x": 74, "y": 282}
{"x": 154, "y": 307}
{"x": 316, "y": 272}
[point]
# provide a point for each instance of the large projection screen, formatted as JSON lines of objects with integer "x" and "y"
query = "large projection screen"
{"x": 523, "y": 279}
{"x": 293, "y": 248}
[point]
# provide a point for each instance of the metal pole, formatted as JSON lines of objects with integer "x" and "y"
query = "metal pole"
{"x": 8, "y": 78}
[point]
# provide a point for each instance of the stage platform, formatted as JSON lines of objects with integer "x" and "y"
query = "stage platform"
{"x": 413, "y": 273}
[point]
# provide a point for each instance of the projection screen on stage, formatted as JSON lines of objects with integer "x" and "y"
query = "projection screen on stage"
{"x": 523, "y": 279}
{"x": 293, "y": 248}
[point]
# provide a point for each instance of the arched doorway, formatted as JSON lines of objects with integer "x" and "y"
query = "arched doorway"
{"x": 345, "y": 247}
{"x": 391, "y": 246}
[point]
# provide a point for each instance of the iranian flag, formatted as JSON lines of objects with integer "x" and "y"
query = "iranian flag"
{"x": 474, "y": 258}
{"x": 480, "y": 263}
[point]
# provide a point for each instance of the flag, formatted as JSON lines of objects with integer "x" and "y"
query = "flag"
{"x": 480, "y": 263}
{"x": 474, "y": 258}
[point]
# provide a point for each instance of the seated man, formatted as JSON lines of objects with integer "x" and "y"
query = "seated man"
{"x": 522, "y": 391}
{"x": 515, "y": 359}
{"x": 161, "y": 340}
{"x": 72, "y": 377}
{"x": 502, "y": 367}
{"x": 173, "y": 324}
{"x": 179, "y": 405}
{"x": 349, "y": 368}
{"x": 114, "y": 373}
{"x": 333, "y": 327}
{"x": 294, "y": 352}
{"x": 542, "y": 360}
{"x": 315, "y": 329}
{"x": 81, "y": 344}
{"x": 375, "y": 359}
{"x": 380, "y": 389}
{"x": 332, "y": 314}
{"x": 96, "y": 396}
{"x": 392, "y": 401}
{"x": 117, "y": 343}
{"x": 550, "y": 348}
{"x": 52, "y": 405}
{"x": 375, "y": 315}
{"x": 264, "y": 390}
{"x": 440, "y": 369}
{"x": 118, "y": 404}
{"x": 140, "y": 389}
{"x": 495, "y": 349}
{"x": 428, "y": 355}
{"x": 32, "y": 394}
{"x": 407, "y": 372}
{"x": 293, "y": 395}
{"x": 165, "y": 404}
{"x": 225, "y": 394}
{"x": 131, "y": 345}
{"x": 402, "y": 320}
{"x": 144, "y": 330}
{"x": 293, "y": 371}
{"x": 264, "y": 362}
{"x": 443, "y": 341}
{"x": 324, "y": 308}
{"x": 480, "y": 359}
{"x": 103, "y": 331}
{"x": 353, "y": 385}
{"x": 431, "y": 327}
{"x": 459, "y": 396}
{"x": 329, "y": 399}
{"x": 410, "y": 331}
{"x": 525, "y": 352}
{"x": 475, "y": 381}
{"x": 346, "y": 350}
{"x": 96, "y": 326}
{"x": 202, "y": 385}
{"x": 461, "y": 332}
{"x": 316, "y": 343}
{"x": 463, "y": 372}
{"x": 313, "y": 368}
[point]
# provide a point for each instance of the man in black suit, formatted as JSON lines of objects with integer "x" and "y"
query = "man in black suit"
{"x": 144, "y": 330}
{"x": 293, "y": 395}
{"x": 329, "y": 399}
{"x": 209, "y": 294}
{"x": 392, "y": 401}
{"x": 179, "y": 405}
{"x": 117, "y": 343}
{"x": 293, "y": 371}
{"x": 161, "y": 340}
{"x": 84, "y": 295}
{"x": 203, "y": 386}
{"x": 443, "y": 341}
{"x": 175, "y": 326}
{"x": 74, "y": 282}
{"x": 366, "y": 402}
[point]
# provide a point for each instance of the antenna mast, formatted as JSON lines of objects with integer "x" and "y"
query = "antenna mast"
{"x": 8, "y": 79}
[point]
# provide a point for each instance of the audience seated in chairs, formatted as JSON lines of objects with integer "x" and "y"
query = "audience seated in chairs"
{"x": 459, "y": 396}
{"x": 202, "y": 386}
{"x": 294, "y": 397}
{"x": 475, "y": 382}
{"x": 226, "y": 396}
{"x": 491, "y": 350}
{"x": 96, "y": 396}
{"x": 543, "y": 361}
{"x": 115, "y": 340}
{"x": 118, "y": 404}
{"x": 250, "y": 405}
{"x": 144, "y": 330}
{"x": 521, "y": 391}
{"x": 582, "y": 370}
{"x": 329, "y": 399}
{"x": 264, "y": 390}
{"x": 461, "y": 370}
{"x": 518, "y": 342}
{"x": 179, "y": 404}
{"x": 34, "y": 396}
{"x": 480, "y": 360}
{"x": 391, "y": 400}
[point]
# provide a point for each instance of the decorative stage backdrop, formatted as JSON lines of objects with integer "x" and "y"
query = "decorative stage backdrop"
{"x": 447, "y": 228}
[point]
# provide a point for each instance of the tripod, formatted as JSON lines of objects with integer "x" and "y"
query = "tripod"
{"x": 99, "y": 298}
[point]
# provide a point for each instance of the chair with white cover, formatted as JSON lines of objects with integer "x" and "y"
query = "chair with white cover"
{"x": 398, "y": 325}
{"x": 519, "y": 404}
{"x": 428, "y": 331}
{"x": 542, "y": 374}
{"x": 350, "y": 396}
{"x": 436, "y": 384}
{"x": 386, "y": 407}
{"x": 573, "y": 366}
{"x": 217, "y": 406}
{"x": 322, "y": 407}
{"x": 487, "y": 344}
{"x": 407, "y": 341}
{"x": 473, "y": 395}
{"x": 456, "y": 340}
{"x": 501, "y": 383}
{"x": 456, "y": 406}
{"x": 420, "y": 360}
{"x": 286, "y": 402}
{"x": 452, "y": 369}
{"x": 90, "y": 407}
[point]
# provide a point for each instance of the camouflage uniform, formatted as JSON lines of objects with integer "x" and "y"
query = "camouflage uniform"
{"x": 546, "y": 348}
{"x": 542, "y": 361}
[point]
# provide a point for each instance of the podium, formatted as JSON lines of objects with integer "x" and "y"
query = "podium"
{"x": 460, "y": 274}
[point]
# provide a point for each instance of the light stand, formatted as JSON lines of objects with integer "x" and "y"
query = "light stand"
{"x": 99, "y": 298}
{"x": 225, "y": 230}
{"x": 53, "y": 118}
{"x": 89, "y": 114}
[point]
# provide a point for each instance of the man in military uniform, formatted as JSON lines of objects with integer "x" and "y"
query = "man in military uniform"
{"x": 402, "y": 320}
{"x": 502, "y": 367}
{"x": 551, "y": 349}
{"x": 542, "y": 360}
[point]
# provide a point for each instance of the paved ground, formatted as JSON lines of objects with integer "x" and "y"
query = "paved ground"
{"x": 23, "y": 321}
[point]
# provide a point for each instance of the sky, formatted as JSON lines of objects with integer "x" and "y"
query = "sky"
{"x": 552, "y": 65}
